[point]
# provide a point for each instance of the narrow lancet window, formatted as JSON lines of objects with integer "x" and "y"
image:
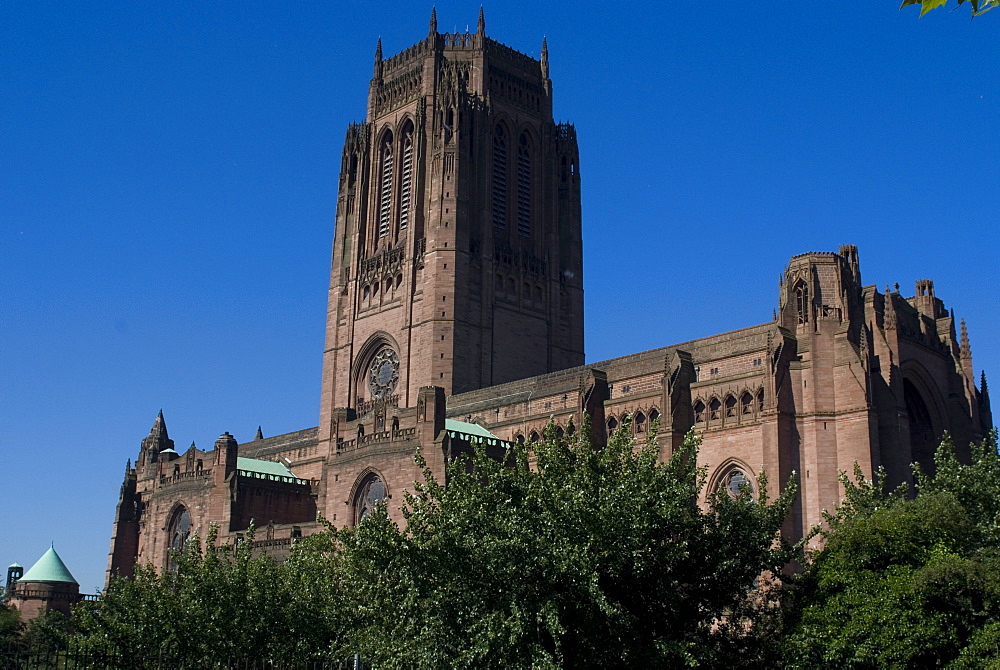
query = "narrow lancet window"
{"x": 385, "y": 192}
{"x": 802, "y": 302}
{"x": 406, "y": 183}
{"x": 499, "y": 178}
{"x": 524, "y": 187}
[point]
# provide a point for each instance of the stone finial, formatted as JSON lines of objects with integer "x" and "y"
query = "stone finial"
{"x": 481, "y": 25}
{"x": 545, "y": 58}
{"x": 434, "y": 21}
{"x": 377, "y": 74}
{"x": 983, "y": 388}
{"x": 259, "y": 435}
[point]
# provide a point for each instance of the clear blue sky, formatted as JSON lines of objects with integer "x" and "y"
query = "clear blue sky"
{"x": 168, "y": 176}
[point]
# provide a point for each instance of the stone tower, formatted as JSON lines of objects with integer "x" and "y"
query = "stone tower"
{"x": 457, "y": 257}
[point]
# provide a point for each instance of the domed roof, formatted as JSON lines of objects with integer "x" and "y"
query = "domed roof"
{"x": 48, "y": 568}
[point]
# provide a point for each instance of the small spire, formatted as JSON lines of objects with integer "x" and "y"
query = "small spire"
{"x": 259, "y": 435}
{"x": 159, "y": 426}
{"x": 964, "y": 342}
{"x": 128, "y": 465}
{"x": 545, "y": 58}
{"x": 481, "y": 25}
{"x": 983, "y": 388}
{"x": 378, "y": 51}
{"x": 192, "y": 445}
{"x": 434, "y": 21}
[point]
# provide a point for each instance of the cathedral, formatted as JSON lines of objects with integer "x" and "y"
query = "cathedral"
{"x": 455, "y": 322}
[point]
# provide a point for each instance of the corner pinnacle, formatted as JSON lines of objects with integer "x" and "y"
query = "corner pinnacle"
{"x": 481, "y": 25}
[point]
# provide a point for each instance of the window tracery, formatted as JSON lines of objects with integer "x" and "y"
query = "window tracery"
{"x": 371, "y": 494}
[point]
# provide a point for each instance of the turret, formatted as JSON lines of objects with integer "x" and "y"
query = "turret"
{"x": 14, "y": 572}
{"x": 226, "y": 455}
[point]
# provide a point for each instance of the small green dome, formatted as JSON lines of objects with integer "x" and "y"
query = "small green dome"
{"x": 14, "y": 565}
{"x": 49, "y": 568}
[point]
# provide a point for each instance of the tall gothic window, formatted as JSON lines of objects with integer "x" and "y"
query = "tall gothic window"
{"x": 499, "y": 178}
{"x": 385, "y": 187}
{"x": 802, "y": 302}
{"x": 406, "y": 182}
{"x": 524, "y": 186}
{"x": 177, "y": 534}
{"x": 370, "y": 496}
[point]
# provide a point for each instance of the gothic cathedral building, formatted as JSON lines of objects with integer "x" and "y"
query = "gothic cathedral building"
{"x": 455, "y": 322}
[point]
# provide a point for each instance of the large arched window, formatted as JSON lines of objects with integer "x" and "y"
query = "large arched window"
{"x": 178, "y": 532}
{"x": 499, "y": 177}
{"x": 370, "y": 495}
{"x": 524, "y": 186}
{"x": 406, "y": 178}
{"x": 385, "y": 185}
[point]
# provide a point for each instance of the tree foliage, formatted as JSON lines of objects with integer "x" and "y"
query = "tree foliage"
{"x": 978, "y": 6}
{"x": 219, "y": 605}
{"x": 907, "y": 581}
{"x": 565, "y": 556}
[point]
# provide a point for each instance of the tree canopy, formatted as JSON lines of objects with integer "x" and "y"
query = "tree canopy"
{"x": 907, "y": 581}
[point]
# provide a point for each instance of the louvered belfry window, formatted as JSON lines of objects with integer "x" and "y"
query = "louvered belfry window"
{"x": 499, "y": 178}
{"x": 385, "y": 192}
{"x": 524, "y": 187}
{"x": 406, "y": 184}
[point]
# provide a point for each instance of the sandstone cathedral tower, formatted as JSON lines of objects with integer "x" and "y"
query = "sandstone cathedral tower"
{"x": 455, "y": 322}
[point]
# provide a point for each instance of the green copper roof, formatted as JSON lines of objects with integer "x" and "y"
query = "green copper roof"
{"x": 468, "y": 429}
{"x": 263, "y": 467}
{"x": 49, "y": 568}
{"x": 15, "y": 565}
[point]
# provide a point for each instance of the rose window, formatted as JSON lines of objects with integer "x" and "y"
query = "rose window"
{"x": 383, "y": 375}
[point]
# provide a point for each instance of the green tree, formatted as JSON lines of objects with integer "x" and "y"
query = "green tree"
{"x": 907, "y": 582}
{"x": 978, "y": 6}
{"x": 564, "y": 555}
{"x": 219, "y": 605}
{"x": 10, "y": 623}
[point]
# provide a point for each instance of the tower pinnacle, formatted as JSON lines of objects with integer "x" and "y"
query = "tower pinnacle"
{"x": 159, "y": 428}
{"x": 481, "y": 25}
{"x": 434, "y": 21}
{"x": 545, "y": 58}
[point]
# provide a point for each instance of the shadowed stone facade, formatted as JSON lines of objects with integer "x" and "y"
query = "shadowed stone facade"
{"x": 455, "y": 321}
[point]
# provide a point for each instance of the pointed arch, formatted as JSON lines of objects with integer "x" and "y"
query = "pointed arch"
{"x": 369, "y": 490}
{"x": 734, "y": 474}
{"x": 699, "y": 411}
{"x": 178, "y": 531}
